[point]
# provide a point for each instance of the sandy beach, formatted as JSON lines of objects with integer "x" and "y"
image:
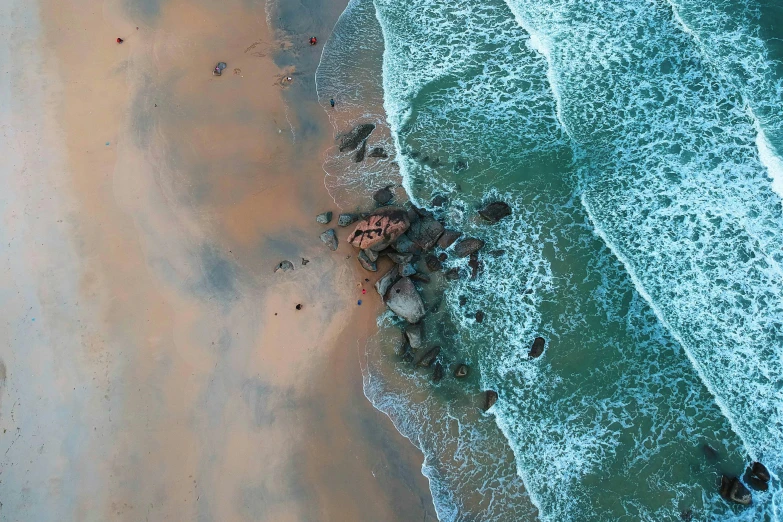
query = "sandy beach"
{"x": 154, "y": 366}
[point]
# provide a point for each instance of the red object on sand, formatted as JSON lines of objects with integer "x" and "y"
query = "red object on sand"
{"x": 364, "y": 291}
{"x": 313, "y": 40}
{"x": 120, "y": 40}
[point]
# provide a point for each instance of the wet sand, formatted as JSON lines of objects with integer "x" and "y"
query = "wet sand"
{"x": 154, "y": 364}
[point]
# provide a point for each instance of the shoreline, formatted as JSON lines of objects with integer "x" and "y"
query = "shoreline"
{"x": 191, "y": 396}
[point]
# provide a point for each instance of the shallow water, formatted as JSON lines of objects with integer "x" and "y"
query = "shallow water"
{"x": 639, "y": 145}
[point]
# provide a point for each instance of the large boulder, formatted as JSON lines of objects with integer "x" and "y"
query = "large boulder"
{"x": 490, "y": 398}
{"x": 495, "y": 211}
{"x": 380, "y": 229}
{"x": 448, "y": 238}
{"x": 468, "y": 246}
{"x": 400, "y": 259}
{"x": 352, "y": 139}
{"x": 452, "y": 274}
{"x": 330, "y": 239}
{"x": 425, "y": 232}
{"x": 404, "y": 245}
{"x": 732, "y": 489}
{"x": 404, "y": 300}
{"x": 387, "y": 280}
{"x": 421, "y": 278}
{"x": 537, "y": 349}
{"x": 427, "y": 357}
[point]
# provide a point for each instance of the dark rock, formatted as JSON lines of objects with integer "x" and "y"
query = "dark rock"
{"x": 496, "y": 253}
{"x": 358, "y": 134}
{"x": 461, "y": 371}
{"x": 468, "y": 246}
{"x": 710, "y": 453}
{"x": 366, "y": 263}
{"x": 402, "y": 348}
{"x": 475, "y": 265}
{"x": 537, "y": 349}
{"x": 436, "y": 162}
{"x": 425, "y": 159}
{"x": 384, "y": 195}
{"x": 686, "y": 516}
{"x": 372, "y": 255}
{"x": 415, "y": 154}
{"x": 490, "y": 398}
{"x": 414, "y": 335}
{"x": 433, "y": 263}
{"x": 324, "y": 218}
{"x": 305, "y": 261}
{"x": 413, "y": 216}
{"x": 439, "y": 200}
{"x": 443, "y": 256}
{"x": 760, "y": 471}
{"x": 408, "y": 355}
{"x": 378, "y": 152}
{"x": 387, "y": 280}
{"x": 404, "y": 300}
{"x": 463, "y": 300}
{"x": 404, "y": 245}
{"x": 753, "y": 481}
{"x": 460, "y": 165}
{"x": 359, "y": 156}
{"x": 344, "y": 220}
{"x": 732, "y": 489}
{"x": 426, "y": 358}
{"x": 330, "y": 239}
{"x": 425, "y": 232}
{"x": 407, "y": 270}
{"x": 421, "y": 278}
{"x": 285, "y": 266}
{"x": 437, "y": 374}
{"x": 479, "y": 316}
{"x": 495, "y": 211}
{"x": 400, "y": 259}
{"x": 380, "y": 229}
{"x": 452, "y": 274}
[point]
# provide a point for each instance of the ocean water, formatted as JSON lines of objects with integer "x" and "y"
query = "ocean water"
{"x": 639, "y": 143}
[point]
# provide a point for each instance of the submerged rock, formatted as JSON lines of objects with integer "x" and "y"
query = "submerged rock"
{"x": 461, "y": 371}
{"x": 421, "y": 278}
{"x": 404, "y": 245}
{"x": 437, "y": 374}
{"x": 428, "y": 357}
{"x": 710, "y": 453}
{"x": 495, "y": 211}
{"x": 366, "y": 262}
{"x": 463, "y": 300}
{"x": 760, "y": 471}
{"x": 732, "y": 489}
{"x": 359, "y": 156}
{"x": 387, "y": 280}
{"x": 537, "y": 349}
{"x": 380, "y": 229}
{"x": 324, "y": 218}
{"x": 490, "y": 398}
{"x": 425, "y": 232}
{"x": 404, "y": 300}
{"x": 754, "y": 482}
{"x": 285, "y": 266}
{"x": 330, "y": 239}
{"x": 378, "y": 152}
{"x": 479, "y": 316}
{"x": 443, "y": 256}
{"x": 344, "y": 220}
{"x": 448, "y": 238}
{"x": 452, "y": 274}
{"x": 468, "y": 246}
{"x": 358, "y": 134}
{"x": 384, "y": 195}
{"x": 433, "y": 263}
{"x": 439, "y": 200}
{"x": 414, "y": 335}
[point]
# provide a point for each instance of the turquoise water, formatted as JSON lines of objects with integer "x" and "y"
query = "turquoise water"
{"x": 639, "y": 143}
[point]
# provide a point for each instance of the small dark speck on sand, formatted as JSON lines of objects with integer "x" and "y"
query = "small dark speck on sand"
{"x": 299, "y": 307}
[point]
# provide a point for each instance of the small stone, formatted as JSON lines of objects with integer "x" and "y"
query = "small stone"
{"x": 490, "y": 398}
{"x": 305, "y": 261}
{"x": 344, "y": 220}
{"x": 439, "y": 200}
{"x": 404, "y": 300}
{"x": 537, "y": 349}
{"x": 330, "y": 239}
{"x": 285, "y": 266}
{"x": 324, "y": 218}
{"x": 461, "y": 371}
{"x": 463, "y": 300}
{"x": 413, "y": 332}
{"x": 437, "y": 374}
{"x": 366, "y": 263}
